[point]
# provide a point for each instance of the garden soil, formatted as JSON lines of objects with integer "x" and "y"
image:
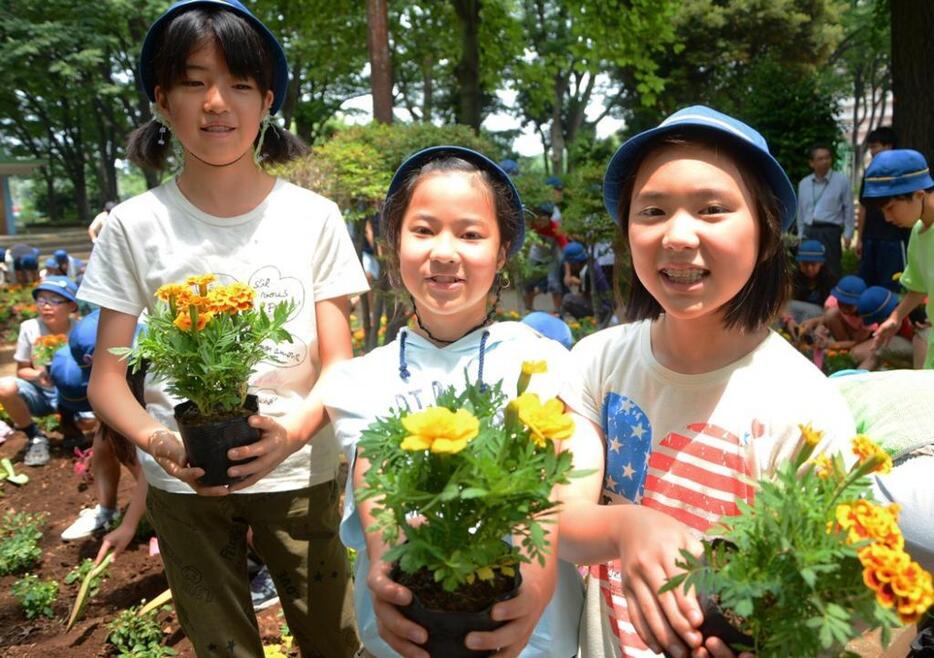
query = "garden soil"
{"x": 57, "y": 491}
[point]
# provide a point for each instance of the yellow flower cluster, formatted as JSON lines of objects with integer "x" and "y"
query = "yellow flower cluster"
{"x": 439, "y": 430}
{"x": 870, "y": 452}
{"x": 824, "y": 465}
{"x": 545, "y": 421}
{"x": 810, "y": 435}
{"x": 887, "y": 569}
{"x": 233, "y": 298}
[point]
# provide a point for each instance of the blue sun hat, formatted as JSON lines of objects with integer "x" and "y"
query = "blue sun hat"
{"x": 421, "y": 158}
{"x": 574, "y": 252}
{"x": 899, "y": 171}
{"x": 849, "y": 289}
{"x": 147, "y": 74}
{"x": 60, "y": 285}
{"x": 876, "y": 304}
{"x": 812, "y": 251}
{"x": 550, "y": 327}
{"x": 623, "y": 162}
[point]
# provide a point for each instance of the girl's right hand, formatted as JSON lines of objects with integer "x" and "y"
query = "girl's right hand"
{"x": 399, "y": 633}
{"x": 648, "y": 549}
{"x": 883, "y": 334}
{"x": 117, "y": 539}
{"x": 167, "y": 449}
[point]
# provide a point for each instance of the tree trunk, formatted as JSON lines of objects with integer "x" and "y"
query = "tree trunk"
{"x": 467, "y": 72}
{"x": 912, "y": 77}
{"x": 380, "y": 66}
{"x": 557, "y": 126}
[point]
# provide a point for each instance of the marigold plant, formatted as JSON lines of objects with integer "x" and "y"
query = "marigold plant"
{"x": 455, "y": 481}
{"x": 205, "y": 340}
{"x": 813, "y": 561}
{"x": 45, "y": 347}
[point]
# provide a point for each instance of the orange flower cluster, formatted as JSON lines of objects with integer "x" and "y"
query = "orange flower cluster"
{"x": 51, "y": 341}
{"x": 868, "y": 451}
{"x": 887, "y": 569}
{"x": 209, "y": 302}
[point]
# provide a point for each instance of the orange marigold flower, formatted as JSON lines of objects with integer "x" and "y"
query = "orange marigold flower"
{"x": 183, "y": 320}
{"x": 868, "y": 451}
{"x": 864, "y": 520}
{"x": 169, "y": 290}
{"x": 240, "y": 296}
{"x": 200, "y": 280}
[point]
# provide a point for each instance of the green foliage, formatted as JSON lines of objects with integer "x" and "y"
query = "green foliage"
{"x": 80, "y": 572}
{"x": 20, "y": 534}
{"x": 138, "y": 636}
{"x": 35, "y": 596}
{"x": 786, "y": 567}
{"x": 467, "y": 502}
{"x": 354, "y": 168}
{"x": 210, "y": 366}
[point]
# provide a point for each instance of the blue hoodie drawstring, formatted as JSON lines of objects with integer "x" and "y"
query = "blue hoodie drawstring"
{"x": 403, "y": 366}
{"x": 486, "y": 334}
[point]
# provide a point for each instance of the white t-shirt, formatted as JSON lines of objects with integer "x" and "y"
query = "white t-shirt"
{"x": 29, "y": 331}
{"x": 292, "y": 246}
{"x": 687, "y": 444}
{"x": 359, "y": 391}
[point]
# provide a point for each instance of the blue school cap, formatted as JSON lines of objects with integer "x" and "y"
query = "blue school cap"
{"x": 421, "y": 158}
{"x": 281, "y": 69}
{"x": 60, "y": 285}
{"x": 849, "y": 289}
{"x": 812, "y": 251}
{"x": 574, "y": 252}
{"x": 27, "y": 262}
{"x": 876, "y": 304}
{"x": 554, "y": 182}
{"x": 622, "y": 164}
{"x": 899, "y": 171}
{"x": 511, "y": 167}
{"x": 60, "y": 255}
{"x": 550, "y": 327}
{"x": 50, "y": 263}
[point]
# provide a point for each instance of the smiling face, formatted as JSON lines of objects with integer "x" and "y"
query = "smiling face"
{"x": 214, "y": 114}
{"x": 450, "y": 251}
{"x": 692, "y": 230}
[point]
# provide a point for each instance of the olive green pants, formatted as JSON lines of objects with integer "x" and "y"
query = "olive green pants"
{"x": 203, "y": 542}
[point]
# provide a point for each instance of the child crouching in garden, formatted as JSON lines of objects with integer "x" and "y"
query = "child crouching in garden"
{"x": 216, "y": 75}
{"x": 678, "y": 409}
{"x": 451, "y": 219}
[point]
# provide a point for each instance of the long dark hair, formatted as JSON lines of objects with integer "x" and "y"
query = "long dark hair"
{"x": 246, "y": 54}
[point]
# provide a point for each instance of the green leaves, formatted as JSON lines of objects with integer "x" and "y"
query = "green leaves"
{"x": 138, "y": 635}
{"x": 20, "y": 534}
{"x": 35, "y": 596}
{"x": 457, "y": 511}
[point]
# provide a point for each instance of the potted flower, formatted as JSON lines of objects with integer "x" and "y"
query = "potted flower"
{"x": 811, "y": 563}
{"x": 205, "y": 340}
{"x": 452, "y": 484}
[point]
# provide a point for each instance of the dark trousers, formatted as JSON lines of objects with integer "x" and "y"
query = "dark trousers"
{"x": 881, "y": 260}
{"x": 828, "y": 235}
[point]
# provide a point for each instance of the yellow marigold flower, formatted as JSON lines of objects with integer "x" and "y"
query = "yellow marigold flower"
{"x": 864, "y": 520}
{"x": 240, "y": 296}
{"x": 810, "y": 435}
{"x": 824, "y": 466}
{"x": 534, "y": 367}
{"x": 868, "y": 450}
{"x": 200, "y": 280}
{"x": 440, "y": 430}
{"x": 169, "y": 290}
{"x": 217, "y": 300}
{"x": 545, "y": 421}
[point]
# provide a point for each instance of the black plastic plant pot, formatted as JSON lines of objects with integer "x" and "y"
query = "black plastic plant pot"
{"x": 716, "y": 624}
{"x": 207, "y": 443}
{"x": 447, "y": 630}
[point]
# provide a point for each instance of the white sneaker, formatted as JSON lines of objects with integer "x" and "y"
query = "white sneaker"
{"x": 89, "y": 521}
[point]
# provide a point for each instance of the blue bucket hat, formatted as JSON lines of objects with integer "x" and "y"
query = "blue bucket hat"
{"x": 812, "y": 251}
{"x": 574, "y": 252}
{"x": 622, "y": 163}
{"x": 61, "y": 256}
{"x": 849, "y": 289}
{"x": 876, "y": 304}
{"x": 550, "y": 327}
{"x": 511, "y": 167}
{"x": 51, "y": 263}
{"x": 60, "y": 285}
{"x": 421, "y": 158}
{"x": 554, "y": 182}
{"x": 280, "y": 70}
{"x": 899, "y": 171}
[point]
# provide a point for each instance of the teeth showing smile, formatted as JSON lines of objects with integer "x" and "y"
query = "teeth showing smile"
{"x": 444, "y": 279}
{"x": 684, "y": 276}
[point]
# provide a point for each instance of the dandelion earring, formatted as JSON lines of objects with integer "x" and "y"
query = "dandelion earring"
{"x": 258, "y": 150}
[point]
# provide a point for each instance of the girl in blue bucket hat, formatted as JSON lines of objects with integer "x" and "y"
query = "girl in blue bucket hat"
{"x": 680, "y": 407}
{"x": 216, "y": 76}
{"x": 451, "y": 219}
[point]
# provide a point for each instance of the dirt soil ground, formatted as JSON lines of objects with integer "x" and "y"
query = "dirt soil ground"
{"x": 60, "y": 493}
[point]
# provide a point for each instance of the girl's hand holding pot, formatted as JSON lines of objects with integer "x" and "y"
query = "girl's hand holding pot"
{"x": 167, "y": 449}
{"x": 277, "y": 442}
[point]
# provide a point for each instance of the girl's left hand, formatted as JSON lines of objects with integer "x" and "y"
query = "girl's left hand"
{"x": 521, "y": 613}
{"x": 714, "y": 647}
{"x": 270, "y": 451}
